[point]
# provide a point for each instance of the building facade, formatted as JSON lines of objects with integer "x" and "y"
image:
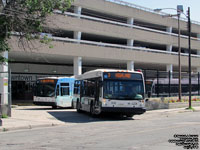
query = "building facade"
{"x": 102, "y": 34}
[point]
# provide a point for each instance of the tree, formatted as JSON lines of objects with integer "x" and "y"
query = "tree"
{"x": 25, "y": 17}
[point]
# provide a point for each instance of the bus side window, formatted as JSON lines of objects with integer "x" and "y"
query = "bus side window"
{"x": 76, "y": 88}
{"x": 57, "y": 90}
{"x": 64, "y": 91}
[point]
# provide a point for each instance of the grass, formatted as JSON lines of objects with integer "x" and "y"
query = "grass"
{"x": 190, "y": 108}
{"x": 4, "y": 129}
{"x": 4, "y": 116}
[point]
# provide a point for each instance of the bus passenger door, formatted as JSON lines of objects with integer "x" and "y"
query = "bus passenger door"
{"x": 97, "y": 92}
{"x": 57, "y": 93}
{"x": 65, "y": 99}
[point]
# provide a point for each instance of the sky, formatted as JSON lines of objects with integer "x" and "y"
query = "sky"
{"x": 153, "y": 4}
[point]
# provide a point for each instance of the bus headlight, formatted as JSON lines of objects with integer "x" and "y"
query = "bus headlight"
{"x": 143, "y": 101}
{"x": 103, "y": 101}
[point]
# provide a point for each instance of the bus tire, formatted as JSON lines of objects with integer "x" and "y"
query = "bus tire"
{"x": 129, "y": 115}
{"x": 54, "y": 107}
{"x": 72, "y": 105}
{"x": 78, "y": 107}
{"x": 92, "y": 110}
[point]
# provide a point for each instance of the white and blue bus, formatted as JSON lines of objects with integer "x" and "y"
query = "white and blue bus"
{"x": 116, "y": 91}
{"x": 54, "y": 91}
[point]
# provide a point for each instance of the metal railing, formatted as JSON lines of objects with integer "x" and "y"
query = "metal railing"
{"x": 121, "y": 2}
{"x": 121, "y": 24}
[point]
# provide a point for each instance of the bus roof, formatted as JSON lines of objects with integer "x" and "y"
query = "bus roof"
{"x": 99, "y": 73}
{"x": 65, "y": 79}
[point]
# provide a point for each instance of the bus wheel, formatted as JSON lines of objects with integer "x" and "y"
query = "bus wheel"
{"x": 129, "y": 115}
{"x": 72, "y": 105}
{"x": 92, "y": 110}
{"x": 78, "y": 107}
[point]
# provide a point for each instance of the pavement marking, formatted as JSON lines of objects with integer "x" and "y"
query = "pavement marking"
{"x": 189, "y": 123}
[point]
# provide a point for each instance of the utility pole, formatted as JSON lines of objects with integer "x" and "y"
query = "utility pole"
{"x": 179, "y": 56}
{"x": 0, "y": 111}
{"x": 189, "y": 60}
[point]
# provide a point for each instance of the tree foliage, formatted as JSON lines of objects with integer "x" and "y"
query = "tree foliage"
{"x": 26, "y": 17}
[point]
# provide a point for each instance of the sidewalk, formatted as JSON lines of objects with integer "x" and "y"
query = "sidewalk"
{"x": 28, "y": 117}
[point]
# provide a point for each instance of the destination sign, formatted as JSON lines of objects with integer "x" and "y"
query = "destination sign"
{"x": 47, "y": 81}
{"x": 122, "y": 75}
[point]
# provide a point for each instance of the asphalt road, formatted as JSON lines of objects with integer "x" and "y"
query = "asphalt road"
{"x": 81, "y": 132}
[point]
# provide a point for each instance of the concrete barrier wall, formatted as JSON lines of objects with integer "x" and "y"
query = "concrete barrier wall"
{"x": 170, "y": 103}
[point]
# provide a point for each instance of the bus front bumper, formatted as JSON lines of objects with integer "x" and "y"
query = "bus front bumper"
{"x": 134, "y": 111}
{"x": 45, "y": 103}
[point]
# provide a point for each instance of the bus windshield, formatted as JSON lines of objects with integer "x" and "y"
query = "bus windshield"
{"x": 45, "y": 90}
{"x": 123, "y": 90}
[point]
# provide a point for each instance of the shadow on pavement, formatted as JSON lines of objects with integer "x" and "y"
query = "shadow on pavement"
{"x": 74, "y": 117}
{"x": 46, "y": 108}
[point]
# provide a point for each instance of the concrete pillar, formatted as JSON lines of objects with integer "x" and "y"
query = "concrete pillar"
{"x": 130, "y": 21}
{"x": 169, "y": 48}
{"x": 130, "y": 42}
{"x": 77, "y": 35}
{"x": 77, "y": 10}
{"x": 170, "y": 68}
{"x": 169, "y": 29}
{"x": 4, "y": 85}
{"x": 77, "y": 65}
{"x": 130, "y": 65}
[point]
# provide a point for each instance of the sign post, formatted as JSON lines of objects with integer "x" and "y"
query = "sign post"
{"x": 0, "y": 111}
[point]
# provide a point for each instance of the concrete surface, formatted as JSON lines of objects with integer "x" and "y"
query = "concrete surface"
{"x": 28, "y": 117}
{"x": 150, "y": 131}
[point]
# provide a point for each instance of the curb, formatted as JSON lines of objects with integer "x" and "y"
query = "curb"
{"x": 27, "y": 127}
{"x": 174, "y": 110}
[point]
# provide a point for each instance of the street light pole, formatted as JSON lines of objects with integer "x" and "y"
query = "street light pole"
{"x": 189, "y": 65}
{"x": 179, "y": 11}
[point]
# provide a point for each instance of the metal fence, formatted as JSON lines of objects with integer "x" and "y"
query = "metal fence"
{"x": 166, "y": 84}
